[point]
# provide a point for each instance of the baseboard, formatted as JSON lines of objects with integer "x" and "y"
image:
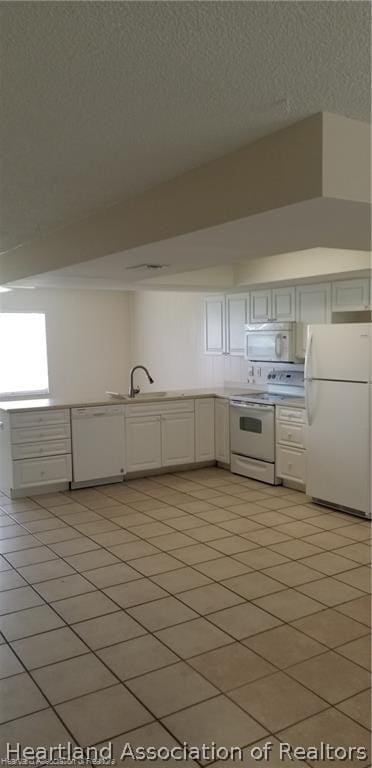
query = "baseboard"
{"x": 169, "y": 470}
{"x": 38, "y": 490}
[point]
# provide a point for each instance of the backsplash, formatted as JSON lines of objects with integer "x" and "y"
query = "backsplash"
{"x": 253, "y": 374}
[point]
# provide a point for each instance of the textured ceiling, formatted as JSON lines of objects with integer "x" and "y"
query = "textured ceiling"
{"x": 101, "y": 100}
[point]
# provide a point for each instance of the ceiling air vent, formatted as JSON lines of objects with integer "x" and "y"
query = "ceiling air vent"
{"x": 147, "y": 266}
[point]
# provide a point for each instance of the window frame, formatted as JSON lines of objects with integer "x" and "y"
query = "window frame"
{"x": 27, "y": 394}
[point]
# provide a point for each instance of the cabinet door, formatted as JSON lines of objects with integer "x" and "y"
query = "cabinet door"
{"x": 204, "y": 429}
{"x": 143, "y": 443}
{"x": 291, "y": 464}
{"x": 222, "y": 430}
{"x": 237, "y": 314}
{"x": 313, "y": 305}
{"x": 260, "y": 306}
{"x": 283, "y": 304}
{"x": 214, "y": 325}
{"x": 177, "y": 439}
{"x": 350, "y": 295}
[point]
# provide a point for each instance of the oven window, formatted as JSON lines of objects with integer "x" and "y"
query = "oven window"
{"x": 249, "y": 424}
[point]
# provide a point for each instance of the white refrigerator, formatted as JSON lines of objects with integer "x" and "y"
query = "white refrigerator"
{"x": 338, "y": 407}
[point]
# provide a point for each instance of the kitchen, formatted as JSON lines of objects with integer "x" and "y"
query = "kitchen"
{"x": 92, "y": 441}
{"x": 185, "y": 380}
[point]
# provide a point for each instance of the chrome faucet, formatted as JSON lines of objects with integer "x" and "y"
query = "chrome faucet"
{"x": 133, "y": 391}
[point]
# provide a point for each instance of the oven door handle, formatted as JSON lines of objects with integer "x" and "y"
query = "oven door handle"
{"x": 251, "y": 407}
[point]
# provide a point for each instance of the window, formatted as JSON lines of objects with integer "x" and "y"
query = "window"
{"x": 23, "y": 354}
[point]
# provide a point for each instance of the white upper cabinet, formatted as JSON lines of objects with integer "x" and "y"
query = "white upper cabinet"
{"x": 260, "y": 306}
{"x": 226, "y": 316}
{"x": 277, "y": 304}
{"x": 237, "y": 315}
{"x": 283, "y": 304}
{"x": 349, "y": 295}
{"x": 224, "y": 320}
{"x": 214, "y": 325}
{"x": 313, "y": 306}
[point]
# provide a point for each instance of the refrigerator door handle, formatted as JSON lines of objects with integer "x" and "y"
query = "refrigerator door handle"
{"x": 307, "y": 402}
{"x": 308, "y": 367}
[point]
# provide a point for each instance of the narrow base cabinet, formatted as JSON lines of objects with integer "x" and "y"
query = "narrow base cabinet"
{"x": 204, "y": 429}
{"x": 222, "y": 430}
{"x": 291, "y": 445}
{"x": 35, "y": 449}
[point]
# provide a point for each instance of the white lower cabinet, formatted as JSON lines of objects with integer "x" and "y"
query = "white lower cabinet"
{"x": 36, "y": 448}
{"x": 159, "y": 435}
{"x": 48, "y": 448}
{"x": 45, "y": 471}
{"x": 177, "y": 439}
{"x": 204, "y": 429}
{"x": 291, "y": 464}
{"x": 291, "y": 444}
{"x": 222, "y": 430}
{"x": 143, "y": 443}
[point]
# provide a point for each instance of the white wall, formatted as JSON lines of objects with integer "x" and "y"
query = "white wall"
{"x": 167, "y": 336}
{"x": 88, "y": 336}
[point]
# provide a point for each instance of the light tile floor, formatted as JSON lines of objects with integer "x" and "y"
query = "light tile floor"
{"x": 198, "y": 607}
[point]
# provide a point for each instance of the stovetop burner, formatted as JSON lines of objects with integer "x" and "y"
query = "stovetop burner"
{"x": 266, "y": 397}
{"x": 272, "y": 396}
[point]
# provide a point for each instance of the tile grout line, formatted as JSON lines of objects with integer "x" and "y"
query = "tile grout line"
{"x": 143, "y": 576}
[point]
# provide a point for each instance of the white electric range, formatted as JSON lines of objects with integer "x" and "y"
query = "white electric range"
{"x": 252, "y": 424}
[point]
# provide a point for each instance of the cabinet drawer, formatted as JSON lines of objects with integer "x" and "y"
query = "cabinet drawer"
{"x": 54, "y": 469}
{"x": 291, "y": 464}
{"x": 160, "y": 408}
{"x": 41, "y": 433}
{"x": 291, "y": 414}
{"x": 48, "y": 448}
{"x": 291, "y": 434}
{"x": 35, "y": 418}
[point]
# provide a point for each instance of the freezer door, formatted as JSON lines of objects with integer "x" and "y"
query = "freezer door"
{"x": 339, "y": 352}
{"x": 338, "y": 443}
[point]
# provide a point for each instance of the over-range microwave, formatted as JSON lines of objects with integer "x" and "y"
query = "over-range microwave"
{"x": 270, "y": 342}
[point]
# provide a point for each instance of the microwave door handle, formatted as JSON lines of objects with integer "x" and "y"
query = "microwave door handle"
{"x": 278, "y": 345}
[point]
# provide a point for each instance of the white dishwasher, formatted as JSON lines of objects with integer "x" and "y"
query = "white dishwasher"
{"x": 98, "y": 444}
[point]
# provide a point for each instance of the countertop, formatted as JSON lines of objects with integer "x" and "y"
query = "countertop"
{"x": 17, "y": 406}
